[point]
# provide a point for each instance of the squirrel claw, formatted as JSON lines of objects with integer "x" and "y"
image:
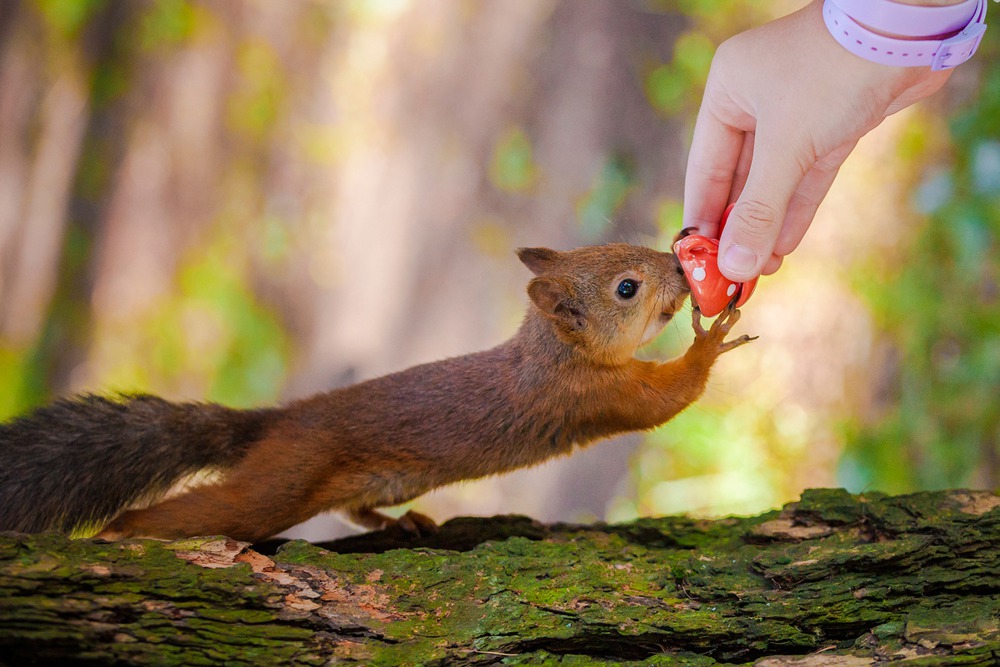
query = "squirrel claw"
{"x": 699, "y": 330}
{"x": 109, "y": 536}
{"x": 412, "y": 523}
{"x": 417, "y": 524}
{"x": 736, "y": 342}
{"x": 722, "y": 325}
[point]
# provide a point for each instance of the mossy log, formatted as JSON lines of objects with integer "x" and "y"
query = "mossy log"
{"x": 835, "y": 579}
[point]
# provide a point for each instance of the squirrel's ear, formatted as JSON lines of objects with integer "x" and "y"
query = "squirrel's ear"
{"x": 555, "y": 300}
{"x": 539, "y": 260}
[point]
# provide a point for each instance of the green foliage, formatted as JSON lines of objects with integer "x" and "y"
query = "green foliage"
{"x": 67, "y": 17}
{"x": 249, "y": 363}
{"x": 669, "y": 220}
{"x": 22, "y": 386}
{"x": 941, "y": 421}
{"x": 711, "y": 460}
{"x": 260, "y": 93}
{"x": 513, "y": 167}
{"x": 167, "y": 23}
{"x": 671, "y": 87}
{"x": 213, "y": 330}
{"x": 599, "y": 206}
{"x": 210, "y": 338}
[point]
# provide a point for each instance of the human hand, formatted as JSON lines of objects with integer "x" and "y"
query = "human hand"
{"x": 784, "y": 106}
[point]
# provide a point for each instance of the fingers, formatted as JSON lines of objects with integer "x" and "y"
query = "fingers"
{"x": 768, "y": 231}
{"x": 752, "y": 231}
{"x": 772, "y": 265}
{"x": 742, "y": 167}
{"x": 715, "y": 153}
{"x": 773, "y": 129}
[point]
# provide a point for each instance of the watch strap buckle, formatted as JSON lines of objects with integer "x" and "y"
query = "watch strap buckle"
{"x": 956, "y": 50}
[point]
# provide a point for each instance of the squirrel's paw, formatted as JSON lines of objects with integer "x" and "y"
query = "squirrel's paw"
{"x": 117, "y": 536}
{"x": 412, "y": 523}
{"x": 417, "y": 524}
{"x": 716, "y": 334}
{"x": 110, "y": 536}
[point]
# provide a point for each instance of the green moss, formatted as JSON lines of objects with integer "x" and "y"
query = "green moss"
{"x": 916, "y": 574}
{"x": 833, "y": 506}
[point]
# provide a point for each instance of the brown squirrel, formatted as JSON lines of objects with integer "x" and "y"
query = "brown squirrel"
{"x": 567, "y": 378}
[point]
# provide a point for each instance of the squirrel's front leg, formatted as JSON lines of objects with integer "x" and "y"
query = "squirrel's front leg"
{"x": 711, "y": 343}
{"x": 668, "y": 388}
{"x": 692, "y": 369}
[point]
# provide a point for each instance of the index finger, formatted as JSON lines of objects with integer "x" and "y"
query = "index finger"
{"x": 711, "y": 168}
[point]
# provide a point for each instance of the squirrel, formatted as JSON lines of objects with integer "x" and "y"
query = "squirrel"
{"x": 567, "y": 378}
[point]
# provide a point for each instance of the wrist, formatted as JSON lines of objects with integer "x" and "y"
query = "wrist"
{"x": 905, "y": 34}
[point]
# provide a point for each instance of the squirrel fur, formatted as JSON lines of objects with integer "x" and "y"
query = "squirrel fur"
{"x": 567, "y": 378}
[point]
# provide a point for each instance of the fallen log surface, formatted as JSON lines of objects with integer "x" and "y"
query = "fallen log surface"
{"x": 833, "y": 580}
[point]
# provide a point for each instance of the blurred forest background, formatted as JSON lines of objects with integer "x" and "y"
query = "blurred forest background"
{"x": 250, "y": 201}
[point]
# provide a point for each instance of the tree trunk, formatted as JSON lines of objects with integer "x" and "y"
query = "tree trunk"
{"x": 834, "y": 579}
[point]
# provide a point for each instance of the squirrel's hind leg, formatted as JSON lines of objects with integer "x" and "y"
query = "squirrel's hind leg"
{"x": 414, "y": 523}
{"x": 261, "y": 496}
{"x": 219, "y": 509}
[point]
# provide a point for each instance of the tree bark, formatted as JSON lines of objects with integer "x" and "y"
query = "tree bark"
{"x": 835, "y": 579}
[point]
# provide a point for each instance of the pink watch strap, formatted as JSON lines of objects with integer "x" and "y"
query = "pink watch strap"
{"x": 909, "y": 20}
{"x": 937, "y": 53}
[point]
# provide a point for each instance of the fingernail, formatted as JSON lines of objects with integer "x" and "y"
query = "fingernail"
{"x": 738, "y": 261}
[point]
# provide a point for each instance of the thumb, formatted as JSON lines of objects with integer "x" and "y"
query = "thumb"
{"x": 755, "y": 222}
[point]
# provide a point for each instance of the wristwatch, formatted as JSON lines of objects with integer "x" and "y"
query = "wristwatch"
{"x": 847, "y": 20}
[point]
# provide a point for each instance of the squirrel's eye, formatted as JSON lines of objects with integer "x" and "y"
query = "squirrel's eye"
{"x": 627, "y": 288}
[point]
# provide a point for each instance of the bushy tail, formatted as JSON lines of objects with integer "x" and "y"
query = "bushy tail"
{"x": 80, "y": 461}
